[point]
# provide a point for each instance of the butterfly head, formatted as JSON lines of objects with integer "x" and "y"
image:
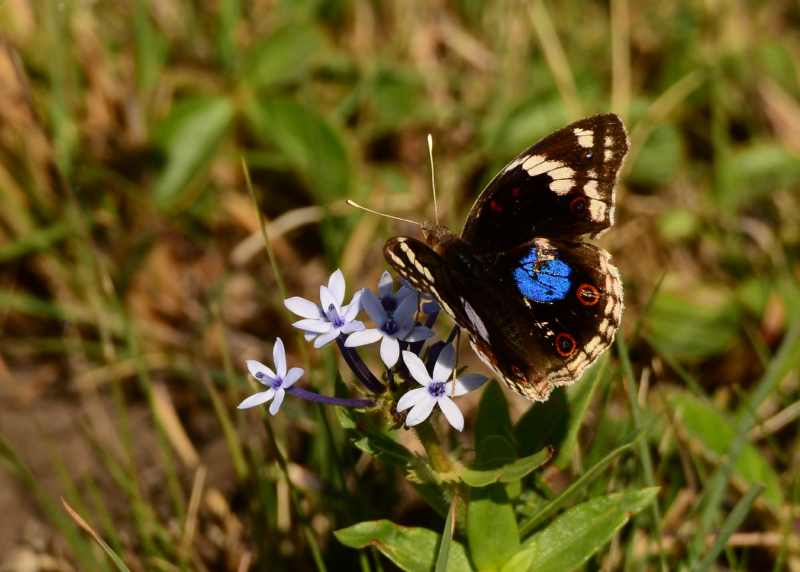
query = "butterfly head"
{"x": 437, "y": 236}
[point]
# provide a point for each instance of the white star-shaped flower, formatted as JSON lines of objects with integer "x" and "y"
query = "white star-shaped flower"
{"x": 393, "y": 327}
{"x": 436, "y": 390}
{"x": 277, "y": 381}
{"x": 324, "y": 322}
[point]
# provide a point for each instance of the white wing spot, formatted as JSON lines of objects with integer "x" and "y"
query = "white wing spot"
{"x": 585, "y": 137}
{"x": 590, "y": 188}
{"x": 562, "y": 186}
{"x": 608, "y": 154}
{"x": 475, "y": 320}
{"x": 597, "y": 210}
{"x": 514, "y": 164}
{"x": 561, "y": 173}
{"x": 536, "y": 165}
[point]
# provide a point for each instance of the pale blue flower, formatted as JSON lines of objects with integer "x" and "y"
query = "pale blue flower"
{"x": 277, "y": 381}
{"x": 326, "y": 321}
{"x": 437, "y": 389}
{"x": 393, "y": 327}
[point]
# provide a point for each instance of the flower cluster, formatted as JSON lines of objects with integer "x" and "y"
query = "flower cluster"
{"x": 397, "y": 326}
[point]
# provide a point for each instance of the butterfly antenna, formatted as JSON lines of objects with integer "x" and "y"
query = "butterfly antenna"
{"x": 433, "y": 180}
{"x": 369, "y": 210}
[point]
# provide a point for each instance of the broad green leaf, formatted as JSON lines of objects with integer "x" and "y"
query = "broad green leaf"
{"x": 285, "y": 55}
{"x": 493, "y": 433}
{"x": 572, "y": 491}
{"x": 189, "y": 137}
{"x": 715, "y": 431}
{"x": 310, "y": 145}
{"x": 410, "y": 548}
{"x": 491, "y": 527}
{"x": 758, "y": 170}
{"x": 507, "y": 473}
{"x": 572, "y": 538}
{"x": 543, "y": 424}
{"x": 705, "y": 325}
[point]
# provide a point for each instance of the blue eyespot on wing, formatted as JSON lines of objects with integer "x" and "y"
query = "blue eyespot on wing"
{"x": 542, "y": 281}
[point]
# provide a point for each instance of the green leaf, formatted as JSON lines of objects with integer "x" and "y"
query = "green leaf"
{"x": 309, "y": 144}
{"x": 411, "y": 549}
{"x": 572, "y": 491}
{"x": 189, "y": 137}
{"x": 692, "y": 329}
{"x": 285, "y": 55}
{"x": 491, "y": 527}
{"x": 543, "y": 424}
{"x": 493, "y": 434}
{"x": 572, "y": 538}
{"x": 708, "y": 426}
{"x": 443, "y": 556}
{"x": 507, "y": 473}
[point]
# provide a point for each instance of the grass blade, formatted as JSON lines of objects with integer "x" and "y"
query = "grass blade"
{"x": 86, "y": 527}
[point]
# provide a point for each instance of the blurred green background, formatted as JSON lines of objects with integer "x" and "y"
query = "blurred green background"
{"x": 134, "y": 283}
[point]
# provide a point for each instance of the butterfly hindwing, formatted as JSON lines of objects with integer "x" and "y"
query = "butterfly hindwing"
{"x": 562, "y": 186}
{"x": 537, "y": 315}
{"x": 561, "y": 306}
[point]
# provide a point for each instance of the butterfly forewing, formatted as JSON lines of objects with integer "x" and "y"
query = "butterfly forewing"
{"x": 562, "y": 186}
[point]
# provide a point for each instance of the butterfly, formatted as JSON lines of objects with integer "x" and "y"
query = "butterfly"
{"x": 539, "y": 303}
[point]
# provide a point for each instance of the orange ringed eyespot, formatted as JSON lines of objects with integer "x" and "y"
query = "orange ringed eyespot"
{"x": 565, "y": 344}
{"x": 578, "y": 205}
{"x": 588, "y": 295}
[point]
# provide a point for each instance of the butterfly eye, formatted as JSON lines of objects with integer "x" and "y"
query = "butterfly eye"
{"x": 565, "y": 344}
{"x": 588, "y": 295}
{"x": 578, "y": 205}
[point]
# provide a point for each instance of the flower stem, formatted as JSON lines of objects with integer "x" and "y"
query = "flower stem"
{"x": 311, "y": 396}
{"x": 430, "y": 440}
{"x": 359, "y": 368}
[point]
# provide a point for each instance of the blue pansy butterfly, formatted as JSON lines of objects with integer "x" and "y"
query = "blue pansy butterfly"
{"x": 539, "y": 303}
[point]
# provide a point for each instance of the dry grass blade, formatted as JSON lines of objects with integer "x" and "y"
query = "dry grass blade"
{"x": 118, "y": 562}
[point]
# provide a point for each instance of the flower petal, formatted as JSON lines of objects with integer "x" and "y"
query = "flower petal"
{"x": 354, "y": 326}
{"x": 350, "y": 311}
{"x": 276, "y": 403}
{"x": 257, "y": 399}
{"x": 416, "y": 368}
{"x": 303, "y": 308}
{"x": 404, "y": 314}
{"x": 292, "y": 376}
{"x": 444, "y": 363}
{"x": 309, "y": 336}
{"x": 363, "y": 338}
{"x": 421, "y": 411}
{"x": 325, "y": 339}
{"x": 405, "y": 290}
{"x": 451, "y": 412}
{"x": 313, "y": 326}
{"x": 385, "y": 284}
{"x": 327, "y": 299}
{"x": 411, "y": 398}
{"x": 279, "y": 357}
{"x": 256, "y": 367}
{"x": 418, "y": 334}
{"x": 466, "y": 383}
{"x": 373, "y": 307}
{"x": 336, "y": 286}
{"x": 390, "y": 351}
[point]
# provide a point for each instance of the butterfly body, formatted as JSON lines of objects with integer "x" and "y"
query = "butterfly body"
{"x": 538, "y": 302}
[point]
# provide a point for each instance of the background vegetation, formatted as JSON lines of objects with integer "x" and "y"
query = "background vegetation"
{"x": 134, "y": 281}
